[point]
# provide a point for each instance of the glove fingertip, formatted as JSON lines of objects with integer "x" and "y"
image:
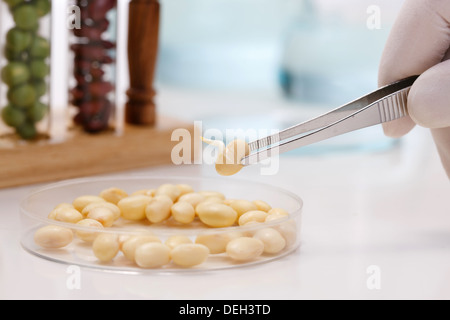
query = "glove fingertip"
{"x": 399, "y": 127}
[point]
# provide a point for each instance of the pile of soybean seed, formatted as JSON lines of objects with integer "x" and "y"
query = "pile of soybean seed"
{"x": 180, "y": 204}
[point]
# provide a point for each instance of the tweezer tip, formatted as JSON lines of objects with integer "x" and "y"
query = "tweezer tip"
{"x": 245, "y": 161}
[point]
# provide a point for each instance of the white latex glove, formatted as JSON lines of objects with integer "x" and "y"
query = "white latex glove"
{"x": 419, "y": 44}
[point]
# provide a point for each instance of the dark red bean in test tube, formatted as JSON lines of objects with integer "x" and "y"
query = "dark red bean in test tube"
{"x": 96, "y": 73}
{"x": 93, "y": 90}
{"x": 90, "y": 51}
{"x": 92, "y": 107}
{"x": 78, "y": 92}
{"x": 101, "y": 25}
{"x": 99, "y": 8}
{"x": 108, "y": 44}
{"x": 106, "y": 60}
{"x": 89, "y": 32}
{"x": 91, "y": 56}
{"x": 82, "y": 66}
{"x": 98, "y": 121}
{"x": 100, "y": 89}
{"x": 81, "y": 78}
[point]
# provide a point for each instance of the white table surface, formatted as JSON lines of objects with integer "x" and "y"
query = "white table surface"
{"x": 386, "y": 209}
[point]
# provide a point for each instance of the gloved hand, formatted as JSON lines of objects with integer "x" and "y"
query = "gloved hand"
{"x": 419, "y": 44}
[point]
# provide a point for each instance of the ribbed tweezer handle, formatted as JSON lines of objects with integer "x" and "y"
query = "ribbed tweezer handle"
{"x": 394, "y": 106}
{"x": 264, "y": 142}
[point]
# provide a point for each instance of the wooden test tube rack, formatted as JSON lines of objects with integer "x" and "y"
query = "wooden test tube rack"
{"x": 83, "y": 154}
{"x": 146, "y": 139}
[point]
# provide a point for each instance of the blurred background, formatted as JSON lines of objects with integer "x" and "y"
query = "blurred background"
{"x": 252, "y": 64}
{"x": 259, "y": 64}
{"x": 262, "y": 45}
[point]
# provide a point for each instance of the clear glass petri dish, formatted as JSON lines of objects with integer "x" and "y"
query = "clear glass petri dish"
{"x": 35, "y": 208}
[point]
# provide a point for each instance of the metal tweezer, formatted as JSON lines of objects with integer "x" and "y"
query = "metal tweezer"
{"x": 385, "y": 104}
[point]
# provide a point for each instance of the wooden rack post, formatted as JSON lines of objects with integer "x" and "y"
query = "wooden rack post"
{"x": 143, "y": 31}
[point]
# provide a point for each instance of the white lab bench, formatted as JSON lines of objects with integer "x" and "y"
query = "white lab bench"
{"x": 368, "y": 216}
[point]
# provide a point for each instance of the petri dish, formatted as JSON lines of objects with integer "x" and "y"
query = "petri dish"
{"x": 37, "y": 205}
